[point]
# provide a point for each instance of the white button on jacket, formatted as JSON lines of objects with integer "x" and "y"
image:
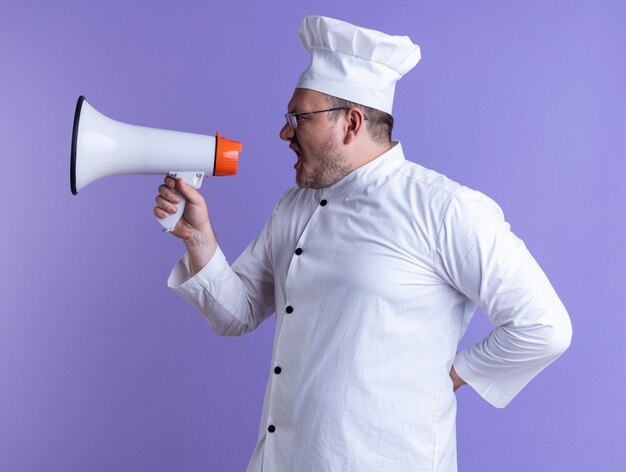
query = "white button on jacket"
{"x": 394, "y": 260}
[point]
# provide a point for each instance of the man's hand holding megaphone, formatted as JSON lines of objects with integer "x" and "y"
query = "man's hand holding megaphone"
{"x": 194, "y": 226}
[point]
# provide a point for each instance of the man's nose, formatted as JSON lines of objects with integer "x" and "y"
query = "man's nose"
{"x": 286, "y": 133}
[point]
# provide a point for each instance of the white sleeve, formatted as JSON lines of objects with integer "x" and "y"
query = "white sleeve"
{"x": 234, "y": 300}
{"x": 479, "y": 255}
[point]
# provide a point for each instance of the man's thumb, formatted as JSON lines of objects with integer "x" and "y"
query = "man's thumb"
{"x": 187, "y": 191}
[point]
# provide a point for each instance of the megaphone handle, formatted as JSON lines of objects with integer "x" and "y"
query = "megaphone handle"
{"x": 192, "y": 178}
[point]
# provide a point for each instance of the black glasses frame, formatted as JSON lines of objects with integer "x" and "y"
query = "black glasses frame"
{"x": 294, "y": 118}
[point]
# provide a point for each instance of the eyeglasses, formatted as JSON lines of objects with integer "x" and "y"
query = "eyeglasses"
{"x": 294, "y": 118}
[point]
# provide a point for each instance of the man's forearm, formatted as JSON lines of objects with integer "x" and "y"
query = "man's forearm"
{"x": 509, "y": 357}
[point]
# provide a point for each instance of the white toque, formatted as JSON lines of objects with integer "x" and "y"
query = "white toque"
{"x": 357, "y": 64}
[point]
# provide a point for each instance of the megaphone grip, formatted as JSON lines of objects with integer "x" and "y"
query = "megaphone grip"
{"x": 191, "y": 178}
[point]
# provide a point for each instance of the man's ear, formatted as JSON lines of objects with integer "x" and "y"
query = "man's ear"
{"x": 354, "y": 125}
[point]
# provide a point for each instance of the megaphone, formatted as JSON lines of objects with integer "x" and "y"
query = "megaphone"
{"x": 102, "y": 147}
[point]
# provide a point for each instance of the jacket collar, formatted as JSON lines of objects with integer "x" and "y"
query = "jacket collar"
{"x": 366, "y": 177}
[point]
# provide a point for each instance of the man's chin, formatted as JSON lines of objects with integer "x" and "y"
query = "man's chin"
{"x": 302, "y": 181}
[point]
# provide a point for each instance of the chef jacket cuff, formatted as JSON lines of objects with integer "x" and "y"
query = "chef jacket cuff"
{"x": 487, "y": 387}
{"x": 181, "y": 280}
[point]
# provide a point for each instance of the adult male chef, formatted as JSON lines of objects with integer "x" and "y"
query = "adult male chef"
{"x": 374, "y": 266}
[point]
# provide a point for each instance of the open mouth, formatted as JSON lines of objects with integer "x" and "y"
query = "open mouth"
{"x": 298, "y": 155}
{"x": 296, "y": 150}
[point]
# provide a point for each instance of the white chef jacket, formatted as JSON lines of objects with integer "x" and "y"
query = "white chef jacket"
{"x": 373, "y": 281}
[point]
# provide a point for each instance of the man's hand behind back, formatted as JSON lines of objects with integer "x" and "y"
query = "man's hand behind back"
{"x": 457, "y": 381}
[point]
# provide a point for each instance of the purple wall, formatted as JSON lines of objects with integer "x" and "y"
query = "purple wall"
{"x": 102, "y": 368}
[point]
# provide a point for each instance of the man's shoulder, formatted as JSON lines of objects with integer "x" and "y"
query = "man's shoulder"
{"x": 429, "y": 180}
{"x": 434, "y": 188}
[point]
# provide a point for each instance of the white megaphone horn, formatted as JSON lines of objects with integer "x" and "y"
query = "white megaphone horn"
{"x": 102, "y": 147}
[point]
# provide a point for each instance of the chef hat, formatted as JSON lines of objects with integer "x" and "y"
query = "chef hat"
{"x": 357, "y": 64}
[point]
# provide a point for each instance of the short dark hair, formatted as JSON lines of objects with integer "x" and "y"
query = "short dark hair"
{"x": 379, "y": 123}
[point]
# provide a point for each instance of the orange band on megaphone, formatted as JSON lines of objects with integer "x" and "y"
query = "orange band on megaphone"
{"x": 226, "y": 156}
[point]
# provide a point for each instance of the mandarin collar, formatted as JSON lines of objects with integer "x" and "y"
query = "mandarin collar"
{"x": 370, "y": 175}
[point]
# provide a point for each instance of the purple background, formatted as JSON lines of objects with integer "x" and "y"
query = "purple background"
{"x": 103, "y": 368}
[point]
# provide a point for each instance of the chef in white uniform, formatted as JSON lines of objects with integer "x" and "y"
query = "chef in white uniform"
{"x": 374, "y": 267}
